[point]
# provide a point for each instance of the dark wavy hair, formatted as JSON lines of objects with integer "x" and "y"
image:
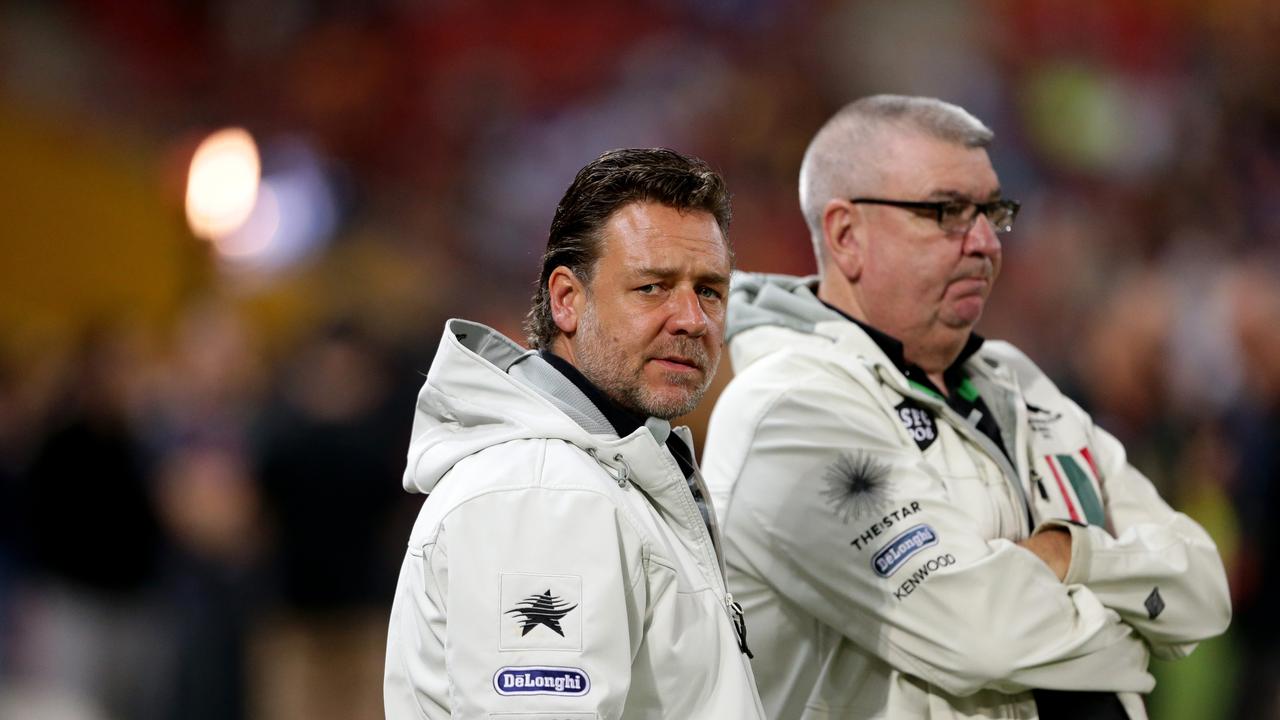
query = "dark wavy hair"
{"x": 605, "y": 185}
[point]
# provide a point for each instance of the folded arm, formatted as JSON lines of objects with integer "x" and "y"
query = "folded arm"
{"x": 845, "y": 521}
{"x": 1156, "y": 567}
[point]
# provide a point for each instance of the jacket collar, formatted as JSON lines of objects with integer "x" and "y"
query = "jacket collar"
{"x": 893, "y": 349}
{"x": 623, "y": 421}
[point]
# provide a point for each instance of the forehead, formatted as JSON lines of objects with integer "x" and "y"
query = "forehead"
{"x": 647, "y": 236}
{"x": 919, "y": 166}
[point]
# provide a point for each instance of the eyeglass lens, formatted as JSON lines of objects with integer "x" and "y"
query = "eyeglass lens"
{"x": 960, "y": 217}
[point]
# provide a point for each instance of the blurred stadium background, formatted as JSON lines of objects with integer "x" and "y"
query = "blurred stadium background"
{"x": 230, "y": 232}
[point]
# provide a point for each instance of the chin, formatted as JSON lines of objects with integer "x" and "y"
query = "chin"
{"x": 963, "y": 318}
{"x": 668, "y": 405}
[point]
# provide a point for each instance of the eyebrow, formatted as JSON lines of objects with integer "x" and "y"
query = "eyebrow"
{"x": 670, "y": 273}
{"x": 956, "y": 195}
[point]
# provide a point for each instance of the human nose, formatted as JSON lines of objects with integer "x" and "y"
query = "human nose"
{"x": 687, "y": 316}
{"x": 981, "y": 238}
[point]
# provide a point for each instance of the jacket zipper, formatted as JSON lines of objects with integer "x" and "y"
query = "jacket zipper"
{"x": 737, "y": 618}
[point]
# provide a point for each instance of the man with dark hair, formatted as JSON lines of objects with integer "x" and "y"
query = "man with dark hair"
{"x": 565, "y": 563}
{"x": 922, "y": 524}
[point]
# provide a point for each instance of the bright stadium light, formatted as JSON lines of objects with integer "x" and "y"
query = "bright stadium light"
{"x": 222, "y": 186}
{"x": 254, "y": 237}
{"x": 295, "y": 213}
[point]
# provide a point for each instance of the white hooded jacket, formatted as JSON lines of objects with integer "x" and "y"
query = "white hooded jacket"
{"x": 556, "y": 571}
{"x": 870, "y": 530}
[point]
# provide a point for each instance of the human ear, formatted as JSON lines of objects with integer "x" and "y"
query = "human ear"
{"x": 842, "y": 236}
{"x": 567, "y": 295}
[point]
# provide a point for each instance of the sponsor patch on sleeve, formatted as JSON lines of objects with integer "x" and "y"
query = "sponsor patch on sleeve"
{"x": 540, "y": 612}
{"x": 1042, "y": 420}
{"x": 918, "y": 422}
{"x": 856, "y": 485}
{"x": 900, "y": 549}
{"x": 541, "y": 680}
{"x": 866, "y": 539}
{"x": 922, "y": 573}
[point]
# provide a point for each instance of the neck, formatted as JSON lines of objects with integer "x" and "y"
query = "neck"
{"x": 836, "y": 290}
{"x": 934, "y": 357}
{"x": 563, "y": 349}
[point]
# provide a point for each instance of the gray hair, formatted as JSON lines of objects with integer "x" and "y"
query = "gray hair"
{"x": 844, "y": 156}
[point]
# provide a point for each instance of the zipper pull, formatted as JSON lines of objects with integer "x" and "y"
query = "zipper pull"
{"x": 739, "y": 619}
{"x": 1035, "y": 478}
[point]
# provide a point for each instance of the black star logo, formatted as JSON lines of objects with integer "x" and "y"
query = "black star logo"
{"x": 856, "y": 486}
{"x": 545, "y": 609}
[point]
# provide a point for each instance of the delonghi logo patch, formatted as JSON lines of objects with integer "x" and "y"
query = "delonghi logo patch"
{"x": 539, "y": 680}
{"x": 901, "y": 548}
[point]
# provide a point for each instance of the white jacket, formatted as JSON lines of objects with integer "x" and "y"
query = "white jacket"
{"x": 556, "y": 571}
{"x": 869, "y": 531}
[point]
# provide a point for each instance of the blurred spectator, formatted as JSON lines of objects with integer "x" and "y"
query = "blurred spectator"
{"x": 93, "y": 538}
{"x": 1124, "y": 367}
{"x": 1253, "y": 429}
{"x": 331, "y": 453}
{"x": 9, "y": 508}
{"x": 210, "y": 502}
{"x": 197, "y": 424}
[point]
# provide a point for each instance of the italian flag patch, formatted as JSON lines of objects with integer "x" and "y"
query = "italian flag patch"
{"x": 1078, "y": 486}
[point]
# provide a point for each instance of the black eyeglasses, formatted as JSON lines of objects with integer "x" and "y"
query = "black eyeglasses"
{"x": 957, "y": 216}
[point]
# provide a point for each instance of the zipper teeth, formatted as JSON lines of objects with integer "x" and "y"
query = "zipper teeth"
{"x": 691, "y": 510}
{"x": 713, "y": 525}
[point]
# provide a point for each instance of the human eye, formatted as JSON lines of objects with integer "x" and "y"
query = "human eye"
{"x": 647, "y": 289}
{"x": 956, "y": 211}
{"x": 1001, "y": 214}
{"x": 709, "y": 292}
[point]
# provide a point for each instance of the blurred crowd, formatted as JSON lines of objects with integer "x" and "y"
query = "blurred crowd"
{"x": 200, "y": 503}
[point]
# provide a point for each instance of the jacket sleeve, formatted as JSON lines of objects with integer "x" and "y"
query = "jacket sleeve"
{"x": 842, "y": 518}
{"x": 543, "y": 591}
{"x": 1159, "y": 570}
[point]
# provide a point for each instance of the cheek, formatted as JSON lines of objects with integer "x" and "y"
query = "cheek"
{"x": 904, "y": 267}
{"x": 716, "y": 317}
{"x": 933, "y": 270}
{"x": 637, "y": 330}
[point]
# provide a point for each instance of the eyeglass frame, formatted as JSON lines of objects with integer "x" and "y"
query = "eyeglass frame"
{"x": 939, "y": 206}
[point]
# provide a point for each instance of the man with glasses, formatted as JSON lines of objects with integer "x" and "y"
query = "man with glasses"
{"x": 919, "y": 523}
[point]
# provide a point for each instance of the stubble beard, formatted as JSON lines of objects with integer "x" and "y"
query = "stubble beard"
{"x": 606, "y": 364}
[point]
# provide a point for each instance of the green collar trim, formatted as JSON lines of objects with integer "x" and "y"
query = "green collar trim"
{"x": 925, "y": 389}
{"x": 967, "y": 391}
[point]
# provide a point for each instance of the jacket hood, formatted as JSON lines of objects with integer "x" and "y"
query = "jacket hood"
{"x": 758, "y": 299}
{"x": 472, "y": 400}
{"x": 775, "y": 313}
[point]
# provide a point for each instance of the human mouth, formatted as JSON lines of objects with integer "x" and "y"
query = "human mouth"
{"x": 971, "y": 280}
{"x": 677, "y": 363}
{"x": 970, "y": 285}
